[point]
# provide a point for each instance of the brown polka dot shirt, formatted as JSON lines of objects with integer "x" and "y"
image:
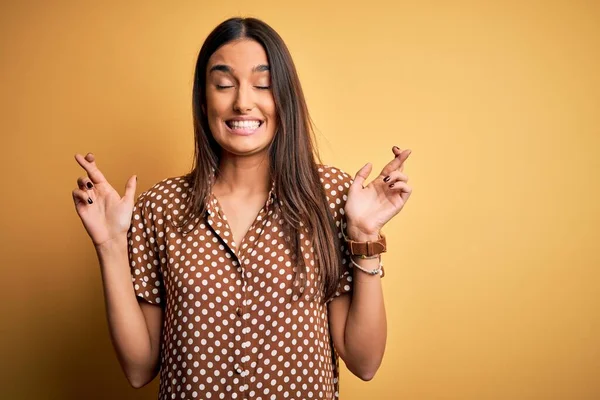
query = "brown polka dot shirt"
{"x": 230, "y": 329}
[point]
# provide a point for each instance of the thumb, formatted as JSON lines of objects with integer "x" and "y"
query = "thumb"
{"x": 363, "y": 174}
{"x": 130, "y": 189}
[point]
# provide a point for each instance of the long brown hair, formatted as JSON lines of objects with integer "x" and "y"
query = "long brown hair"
{"x": 292, "y": 154}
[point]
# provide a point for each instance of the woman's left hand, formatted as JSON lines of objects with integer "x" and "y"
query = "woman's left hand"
{"x": 369, "y": 208}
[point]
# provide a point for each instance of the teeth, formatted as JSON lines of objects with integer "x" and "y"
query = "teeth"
{"x": 244, "y": 124}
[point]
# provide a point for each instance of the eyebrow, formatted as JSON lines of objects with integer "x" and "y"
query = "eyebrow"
{"x": 228, "y": 70}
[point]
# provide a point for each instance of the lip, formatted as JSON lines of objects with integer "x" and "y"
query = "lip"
{"x": 247, "y": 118}
{"x": 244, "y": 132}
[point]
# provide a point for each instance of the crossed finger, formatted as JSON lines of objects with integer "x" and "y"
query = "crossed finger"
{"x": 89, "y": 164}
{"x": 397, "y": 163}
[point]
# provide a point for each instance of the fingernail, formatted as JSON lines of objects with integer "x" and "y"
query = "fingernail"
{"x": 396, "y": 148}
{"x": 89, "y": 185}
{"x": 387, "y": 178}
{"x": 392, "y": 185}
{"x": 90, "y": 200}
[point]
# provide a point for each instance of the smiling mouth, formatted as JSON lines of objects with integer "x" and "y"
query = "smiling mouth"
{"x": 248, "y": 125}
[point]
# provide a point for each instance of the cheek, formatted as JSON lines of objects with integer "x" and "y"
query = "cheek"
{"x": 269, "y": 109}
{"x": 213, "y": 116}
{"x": 216, "y": 105}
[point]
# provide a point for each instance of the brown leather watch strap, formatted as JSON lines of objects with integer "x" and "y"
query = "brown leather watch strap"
{"x": 367, "y": 249}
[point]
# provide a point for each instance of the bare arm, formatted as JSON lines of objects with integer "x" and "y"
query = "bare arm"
{"x": 358, "y": 323}
{"x": 134, "y": 327}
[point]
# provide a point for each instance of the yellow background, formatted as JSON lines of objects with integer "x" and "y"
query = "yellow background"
{"x": 493, "y": 281}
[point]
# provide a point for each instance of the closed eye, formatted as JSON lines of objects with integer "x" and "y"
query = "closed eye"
{"x": 221, "y": 87}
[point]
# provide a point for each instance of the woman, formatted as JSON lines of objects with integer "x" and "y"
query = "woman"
{"x": 246, "y": 284}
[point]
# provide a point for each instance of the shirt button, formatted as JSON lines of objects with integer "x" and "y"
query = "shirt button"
{"x": 238, "y": 311}
{"x": 238, "y": 369}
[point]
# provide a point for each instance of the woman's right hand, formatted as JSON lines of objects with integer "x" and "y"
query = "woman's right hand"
{"x": 108, "y": 216}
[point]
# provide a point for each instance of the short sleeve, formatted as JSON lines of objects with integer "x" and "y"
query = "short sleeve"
{"x": 336, "y": 184}
{"x": 344, "y": 284}
{"x": 144, "y": 254}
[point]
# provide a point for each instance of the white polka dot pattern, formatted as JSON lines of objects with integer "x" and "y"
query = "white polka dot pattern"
{"x": 230, "y": 330}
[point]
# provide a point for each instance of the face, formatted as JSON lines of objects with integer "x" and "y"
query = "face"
{"x": 239, "y": 100}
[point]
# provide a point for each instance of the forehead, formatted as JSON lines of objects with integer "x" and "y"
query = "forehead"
{"x": 240, "y": 55}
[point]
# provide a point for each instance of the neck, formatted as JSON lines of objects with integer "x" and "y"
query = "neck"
{"x": 242, "y": 176}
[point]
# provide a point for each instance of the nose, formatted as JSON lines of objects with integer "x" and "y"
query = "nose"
{"x": 243, "y": 100}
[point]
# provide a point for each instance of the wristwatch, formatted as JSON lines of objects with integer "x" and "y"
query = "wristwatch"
{"x": 366, "y": 249}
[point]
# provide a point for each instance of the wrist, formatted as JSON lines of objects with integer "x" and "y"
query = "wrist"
{"x": 360, "y": 235}
{"x": 367, "y": 267}
{"x": 117, "y": 243}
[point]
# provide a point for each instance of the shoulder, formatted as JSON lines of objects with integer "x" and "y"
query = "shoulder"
{"x": 164, "y": 194}
{"x": 336, "y": 184}
{"x": 334, "y": 179}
